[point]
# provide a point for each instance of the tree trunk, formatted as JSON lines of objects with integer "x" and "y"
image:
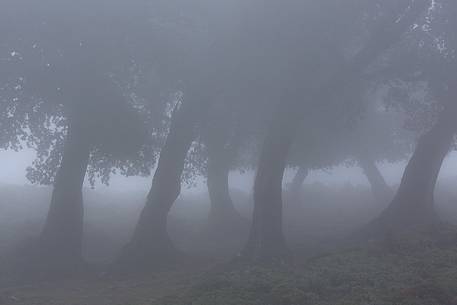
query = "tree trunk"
{"x": 381, "y": 191}
{"x": 150, "y": 242}
{"x": 413, "y": 204}
{"x": 298, "y": 181}
{"x": 266, "y": 241}
{"x": 61, "y": 238}
{"x": 223, "y": 218}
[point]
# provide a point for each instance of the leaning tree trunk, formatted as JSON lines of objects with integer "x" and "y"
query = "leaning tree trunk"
{"x": 61, "y": 238}
{"x": 266, "y": 241}
{"x": 413, "y": 204}
{"x": 381, "y": 191}
{"x": 297, "y": 182}
{"x": 150, "y": 242}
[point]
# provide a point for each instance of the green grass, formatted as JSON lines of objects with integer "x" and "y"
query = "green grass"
{"x": 413, "y": 273}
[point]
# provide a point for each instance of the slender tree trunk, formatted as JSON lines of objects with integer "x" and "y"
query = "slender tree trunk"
{"x": 150, "y": 241}
{"x": 413, "y": 204}
{"x": 298, "y": 181}
{"x": 61, "y": 238}
{"x": 381, "y": 191}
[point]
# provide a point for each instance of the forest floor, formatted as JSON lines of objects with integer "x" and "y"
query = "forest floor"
{"x": 409, "y": 274}
{"x": 95, "y": 288}
{"x": 419, "y": 271}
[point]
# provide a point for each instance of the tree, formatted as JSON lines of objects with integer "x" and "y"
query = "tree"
{"x": 224, "y": 133}
{"x": 375, "y": 134}
{"x": 413, "y": 204}
{"x": 381, "y": 191}
{"x": 199, "y": 74}
{"x": 71, "y": 101}
{"x": 380, "y": 136}
{"x": 150, "y": 241}
{"x": 321, "y": 144}
{"x": 266, "y": 242}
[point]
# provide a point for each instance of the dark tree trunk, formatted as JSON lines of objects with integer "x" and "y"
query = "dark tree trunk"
{"x": 61, "y": 238}
{"x": 223, "y": 218}
{"x": 266, "y": 240}
{"x": 150, "y": 242}
{"x": 413, "y": 204}
{"x": 298, "y": 181}
{"x": 381, "y": 191}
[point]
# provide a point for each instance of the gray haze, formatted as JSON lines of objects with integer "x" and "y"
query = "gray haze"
{"x": 171, "y": 152}
{"x": 14, "y": 165}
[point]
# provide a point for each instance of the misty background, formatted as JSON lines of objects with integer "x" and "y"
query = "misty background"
{"x": 14, "y": 165}
{"x": 226, "y": 152}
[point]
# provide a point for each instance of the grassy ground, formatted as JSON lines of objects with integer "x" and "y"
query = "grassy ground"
{"x": 102, "y": 289}
{"x": 417, "y": 273}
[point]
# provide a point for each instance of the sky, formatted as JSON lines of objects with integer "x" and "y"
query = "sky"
{"x": 13, "y": 169}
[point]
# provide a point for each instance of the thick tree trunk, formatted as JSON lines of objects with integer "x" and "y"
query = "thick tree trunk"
{"x": 61, "y": 238}
{"x": 223, "y": 218}
{"x": 381, "y": 191}
{"x": 413, "y": 204}
{"x": 266, "y": 241}
{"x": 150, "y": 242}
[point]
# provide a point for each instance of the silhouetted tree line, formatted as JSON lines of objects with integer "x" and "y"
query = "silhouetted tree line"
{"x": 184, "y": 88}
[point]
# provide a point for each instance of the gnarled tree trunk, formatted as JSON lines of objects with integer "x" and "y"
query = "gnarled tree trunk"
{"x": 150, "y": 242}
{"x": 61, "y": 238}
{"x": 413, "y": 204}
{"x": 266, "y": 241}
{"x": 381, "y": 191}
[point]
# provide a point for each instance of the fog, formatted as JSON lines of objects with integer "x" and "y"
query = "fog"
{"x": 14, "y": 166}
{"x": 222, "y": 152}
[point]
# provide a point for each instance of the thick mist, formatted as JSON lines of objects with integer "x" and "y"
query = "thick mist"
{"x": 228, "y": 152}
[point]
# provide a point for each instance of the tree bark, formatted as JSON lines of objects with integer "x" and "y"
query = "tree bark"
{"x": 223, "y": 217}
{"x": 150, "y": 242}
{"x": 413, "y": 204}
{"x": 61, "y": 238}
{"x": 266, "y": 241}
{"x": 381, "y": 191}
{"x": 298, "y": 181}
